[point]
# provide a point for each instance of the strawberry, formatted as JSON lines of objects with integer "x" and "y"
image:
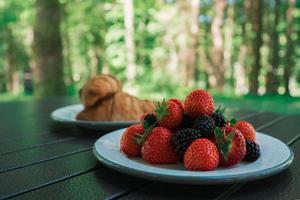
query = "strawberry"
{"x": 158, "y": 148}
{"x": 128, "y": 145}
{"x": 169, "y": 114}
{"x": 247, "y": 130}
{"x": 231, "y": 144}
{"x": 199, "y": 102}
{"x": 178, "y": 102}
{"x": 201, "y": 155}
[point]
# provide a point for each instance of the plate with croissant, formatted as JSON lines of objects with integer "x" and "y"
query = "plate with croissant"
{"x": 104, "y": 106}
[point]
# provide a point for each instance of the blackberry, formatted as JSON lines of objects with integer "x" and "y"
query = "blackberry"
{"x": 252, "y": 151}
{"x": 219, "y": 119}
{"x": 151, "y": 119}
{"x": 184, "y": 137}
{"x": 187, "y": 121}
{"x": 205, "y": 124}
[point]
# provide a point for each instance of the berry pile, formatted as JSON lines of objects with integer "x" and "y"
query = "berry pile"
{"x": 193, "y": 132}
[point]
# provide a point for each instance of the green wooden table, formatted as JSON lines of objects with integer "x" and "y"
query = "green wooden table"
{"x": 40, "y": 159}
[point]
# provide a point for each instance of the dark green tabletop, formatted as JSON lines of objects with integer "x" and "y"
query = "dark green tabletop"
{"x": 40, "y": 159}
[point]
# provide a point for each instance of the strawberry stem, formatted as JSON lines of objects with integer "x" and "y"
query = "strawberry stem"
{"x": 140, "y": 139}
{"x": 161, "y": 110}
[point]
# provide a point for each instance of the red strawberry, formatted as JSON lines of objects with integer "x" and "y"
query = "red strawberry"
{"x": 201, "y": 155}
{"x": 169, "y": 114}
{"x": 128, "y": 145}
{"x": 231, "y": 144}
{"x": 199, "y": 102}
{"x": 178, "y": 102}
{"x": 247, "y": 130}
{"x": 158, "y": 148}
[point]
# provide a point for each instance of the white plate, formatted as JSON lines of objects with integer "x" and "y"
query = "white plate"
{"x": 68, "y": 114}
{"x": 275, "y": 157}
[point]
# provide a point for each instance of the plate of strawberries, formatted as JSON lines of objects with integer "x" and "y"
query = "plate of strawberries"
{"x": 191, "y": 142}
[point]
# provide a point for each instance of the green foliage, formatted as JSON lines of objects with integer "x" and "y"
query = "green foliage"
{"x": 93, "y": 35}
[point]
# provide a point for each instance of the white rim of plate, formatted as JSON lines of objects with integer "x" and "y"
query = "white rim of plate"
{"x": 205, "y": 179}
{"x": 56, "y": 116}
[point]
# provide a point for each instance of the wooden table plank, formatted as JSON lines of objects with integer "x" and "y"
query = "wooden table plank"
{"x": 98, "y": 184}
{"x": 12, "y": 111}
{"x": 11, "y": 146}
{"x": 34, "y": 176}
{"x": 286, "y": 129}
{"x": 264, "y": 118}
{"x": 24, "y": 142}
{"x": 30, "y": 118}
{"x": 44, "y": 153}
{"x": 60, "y": 132}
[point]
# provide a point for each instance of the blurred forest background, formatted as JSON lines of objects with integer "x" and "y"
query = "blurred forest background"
{"x": 156, "y": 47}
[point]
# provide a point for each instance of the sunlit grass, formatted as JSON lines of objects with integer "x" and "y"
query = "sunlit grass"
{"x": 15, "y": 97}
{"x": 278, "y": 104}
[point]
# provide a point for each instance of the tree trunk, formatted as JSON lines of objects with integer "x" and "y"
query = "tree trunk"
{"x": 100, "y": 40}
{"x": 49, "y": 77}
{"x": 68, "y": 62}
{"x": 228, "y": 34}
{"x": 188, "y": 43}
{"x": 131, "y": 71}
{"x": 217, "y": 59}
{"x": 272, "y": 82}
{"x": 13, "y": 84}
{"x": 183, "y": 41}
{"x": 66, "y": 43}
{"x": 290, "y": 47}
{"x": 257, "y": 8}
{"x": 194, "y": 61}
{"x": 240, "y": 67}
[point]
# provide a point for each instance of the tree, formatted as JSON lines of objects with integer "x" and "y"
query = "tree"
{"x": 129, "y": 40}
{"x": 272, "y": 82}
{"x": 244, "y": 48}
{"x": 99, "y": 38}
{"x": 257, "y": 14}
{"x": 49, "y": 77}
{"x": 290, "y": 47}
{"x": 13, "y": 83}
{"x": 228, "y": 43}
{"x": 188, "y": 44}
{"x": 216, "y": 56}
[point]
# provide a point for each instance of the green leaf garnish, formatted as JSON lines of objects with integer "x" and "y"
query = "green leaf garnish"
{"x": 224, "y": 142}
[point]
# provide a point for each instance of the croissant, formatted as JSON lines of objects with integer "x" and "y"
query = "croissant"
{"x": 119, "y": 107}
{"x": 104, "y": 100}
{"x": 97, "y": 88}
